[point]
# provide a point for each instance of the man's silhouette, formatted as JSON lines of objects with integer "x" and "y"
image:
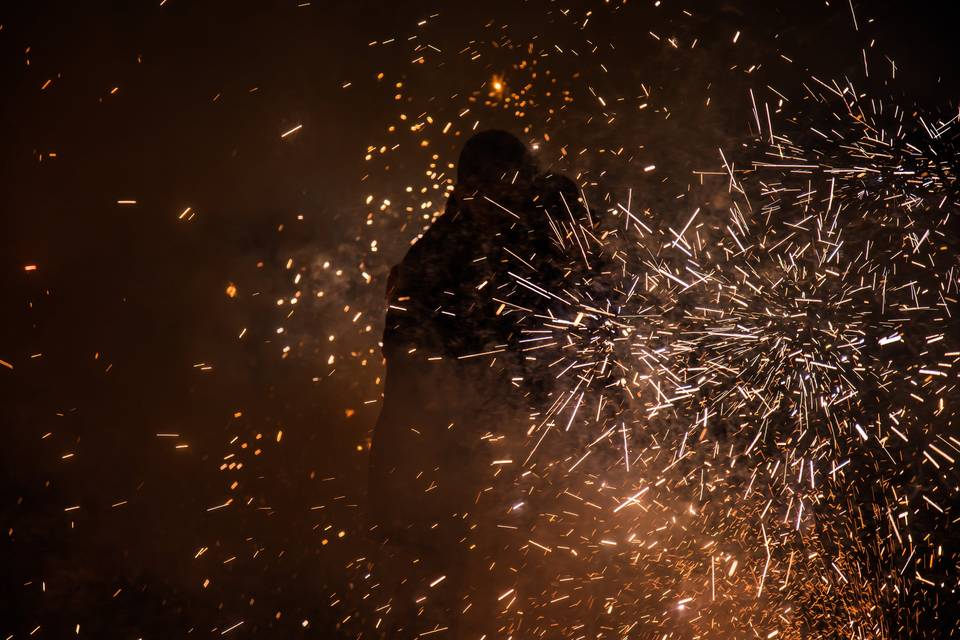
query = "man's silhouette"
{"x": 451, "y": 401}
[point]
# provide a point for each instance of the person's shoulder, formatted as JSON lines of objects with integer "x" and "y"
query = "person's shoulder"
{"x": 432, "y": 242}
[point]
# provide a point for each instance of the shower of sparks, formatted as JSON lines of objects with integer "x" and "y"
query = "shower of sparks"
{"x": 785, "y": 374}
{"x": 749, "y": 424}
{"x": 749, "y": 431}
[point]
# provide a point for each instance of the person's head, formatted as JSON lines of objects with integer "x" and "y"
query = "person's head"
{"x": 554, "y": 189}
{"x": 493, "y": 157}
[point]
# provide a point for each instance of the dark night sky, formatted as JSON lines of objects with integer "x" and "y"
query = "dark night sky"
{"x": 127, "y": 300}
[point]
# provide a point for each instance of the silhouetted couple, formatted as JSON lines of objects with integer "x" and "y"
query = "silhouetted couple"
{"x": 458, "y": 386}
